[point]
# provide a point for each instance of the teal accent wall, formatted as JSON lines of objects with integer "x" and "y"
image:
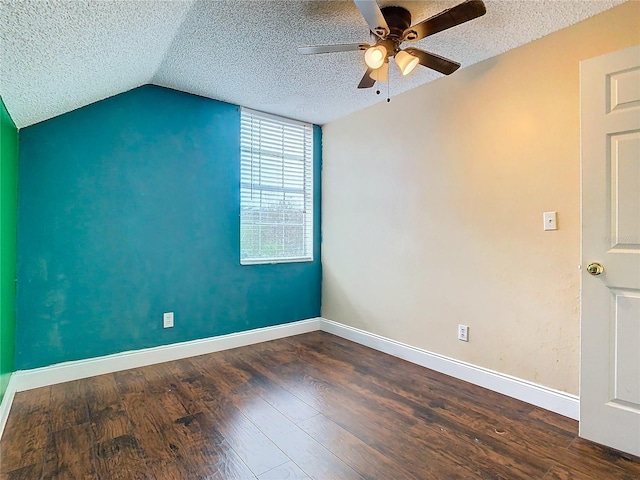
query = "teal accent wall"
{"x": 8, "y": 211}
{"x": 129, "y": 208}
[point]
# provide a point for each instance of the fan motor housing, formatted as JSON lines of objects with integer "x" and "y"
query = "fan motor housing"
{"x": 398, "y": 19}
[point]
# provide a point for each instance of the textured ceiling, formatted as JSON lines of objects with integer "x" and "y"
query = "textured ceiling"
{"x": 56, "y": 56}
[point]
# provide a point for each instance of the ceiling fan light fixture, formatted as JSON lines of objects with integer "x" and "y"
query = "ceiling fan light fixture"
{"x": 375, "y": 56}
{"x": 406, "y": 62}
{"x": 381, "y": 74}
{"x": 392, "y": 25}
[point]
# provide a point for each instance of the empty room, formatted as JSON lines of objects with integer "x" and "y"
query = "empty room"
{"x": 313, "y": 239}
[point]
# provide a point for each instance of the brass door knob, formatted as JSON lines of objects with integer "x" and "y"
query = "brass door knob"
{"x": 595, "y": 268}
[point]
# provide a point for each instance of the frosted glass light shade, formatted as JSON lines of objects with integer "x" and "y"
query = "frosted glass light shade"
{"x": 406, "y": 62}
{"x": 375, "y": 56}
{"x": 381, "y": 74}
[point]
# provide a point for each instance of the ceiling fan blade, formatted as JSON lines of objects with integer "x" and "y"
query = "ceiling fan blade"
{"x": 349, "y": 47}
{"x": 371, "y": 12}
{"x": 433, "y": 61}
{"x": 449, "y": 18}
{"x": 367, "y": 81}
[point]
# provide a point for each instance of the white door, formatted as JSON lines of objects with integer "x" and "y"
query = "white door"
{"x": 610, "y": 301}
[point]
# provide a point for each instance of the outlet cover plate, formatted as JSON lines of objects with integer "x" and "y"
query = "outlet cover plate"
{"x": 463, "y": 333}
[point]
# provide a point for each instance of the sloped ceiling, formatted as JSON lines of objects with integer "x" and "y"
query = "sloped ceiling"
{"x": 56, "y": 56}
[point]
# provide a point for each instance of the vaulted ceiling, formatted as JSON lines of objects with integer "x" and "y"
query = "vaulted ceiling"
{"x": 56, "y": 56}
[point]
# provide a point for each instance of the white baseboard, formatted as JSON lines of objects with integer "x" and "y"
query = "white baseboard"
{"x": 547, "y": 398}
{"x": 7, "y": 400}
{"x": 544, "y": 397}
{"x": 68, "y": 371}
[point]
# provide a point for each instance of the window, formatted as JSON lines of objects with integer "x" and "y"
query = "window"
{"x": 276, "y": 189}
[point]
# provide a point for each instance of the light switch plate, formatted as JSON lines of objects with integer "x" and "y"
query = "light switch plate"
{"x": 550, "y": 220}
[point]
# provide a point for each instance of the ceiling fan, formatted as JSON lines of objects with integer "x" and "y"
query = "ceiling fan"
{"x": 392, "y": 26}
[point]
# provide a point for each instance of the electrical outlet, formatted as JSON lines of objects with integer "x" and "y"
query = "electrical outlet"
{"x": 463, "y": 333}
{"x": 167, "y": 319}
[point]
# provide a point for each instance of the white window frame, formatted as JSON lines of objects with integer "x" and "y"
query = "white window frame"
{"x": 252, "y": 151}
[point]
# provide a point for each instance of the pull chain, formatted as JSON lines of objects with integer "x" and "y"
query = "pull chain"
{"x": 388, "y": 88}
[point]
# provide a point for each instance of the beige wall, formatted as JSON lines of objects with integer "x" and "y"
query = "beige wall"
{"x": 433, "y": 216}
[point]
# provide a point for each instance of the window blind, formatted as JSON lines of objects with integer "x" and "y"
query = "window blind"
{"x": 276, "y": 189}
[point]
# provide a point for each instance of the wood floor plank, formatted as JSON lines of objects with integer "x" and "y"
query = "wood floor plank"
{"x": 214, "y": 418}
{"x": 30, "y": 472}
{"x": 286, "y": 471}
{"x": 584, "y": 456}
{"x": 302, "y": 449}
{"x": 258, "y": 452}
{"x": 70, "y": 454}
{"x": 284, "y": 401}
{"x": 157, "y": 378}
{"x": 108, "y": 424}
{"x": 254, "y": 448}
{"x": 130, "y": 381}
{"x": 121, "y": 458}
{"x": 102, "y": 392}
{"x": 195, "y": 390}
{"x": 150, "y": 414}
{"x": 365, "y": 460}
{"x": 154, "y": 409}
{"x": 68, "y": 405}
{"x": 550, "y": 419}
{"x": 209, "y": 451}
{"x": 239, "y": 375}
{"x": 106, "y": 411}
{"x": 26, "y": 431}
{"x": 152, "y": 431}
{"x": 180, "y": 448}
{"x": 233, "y": 378}
{"x": 578, "y": 472}
{"x": 557, "y": 472}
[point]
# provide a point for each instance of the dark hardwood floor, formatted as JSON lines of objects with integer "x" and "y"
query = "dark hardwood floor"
{"x": 311, "y": 406}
